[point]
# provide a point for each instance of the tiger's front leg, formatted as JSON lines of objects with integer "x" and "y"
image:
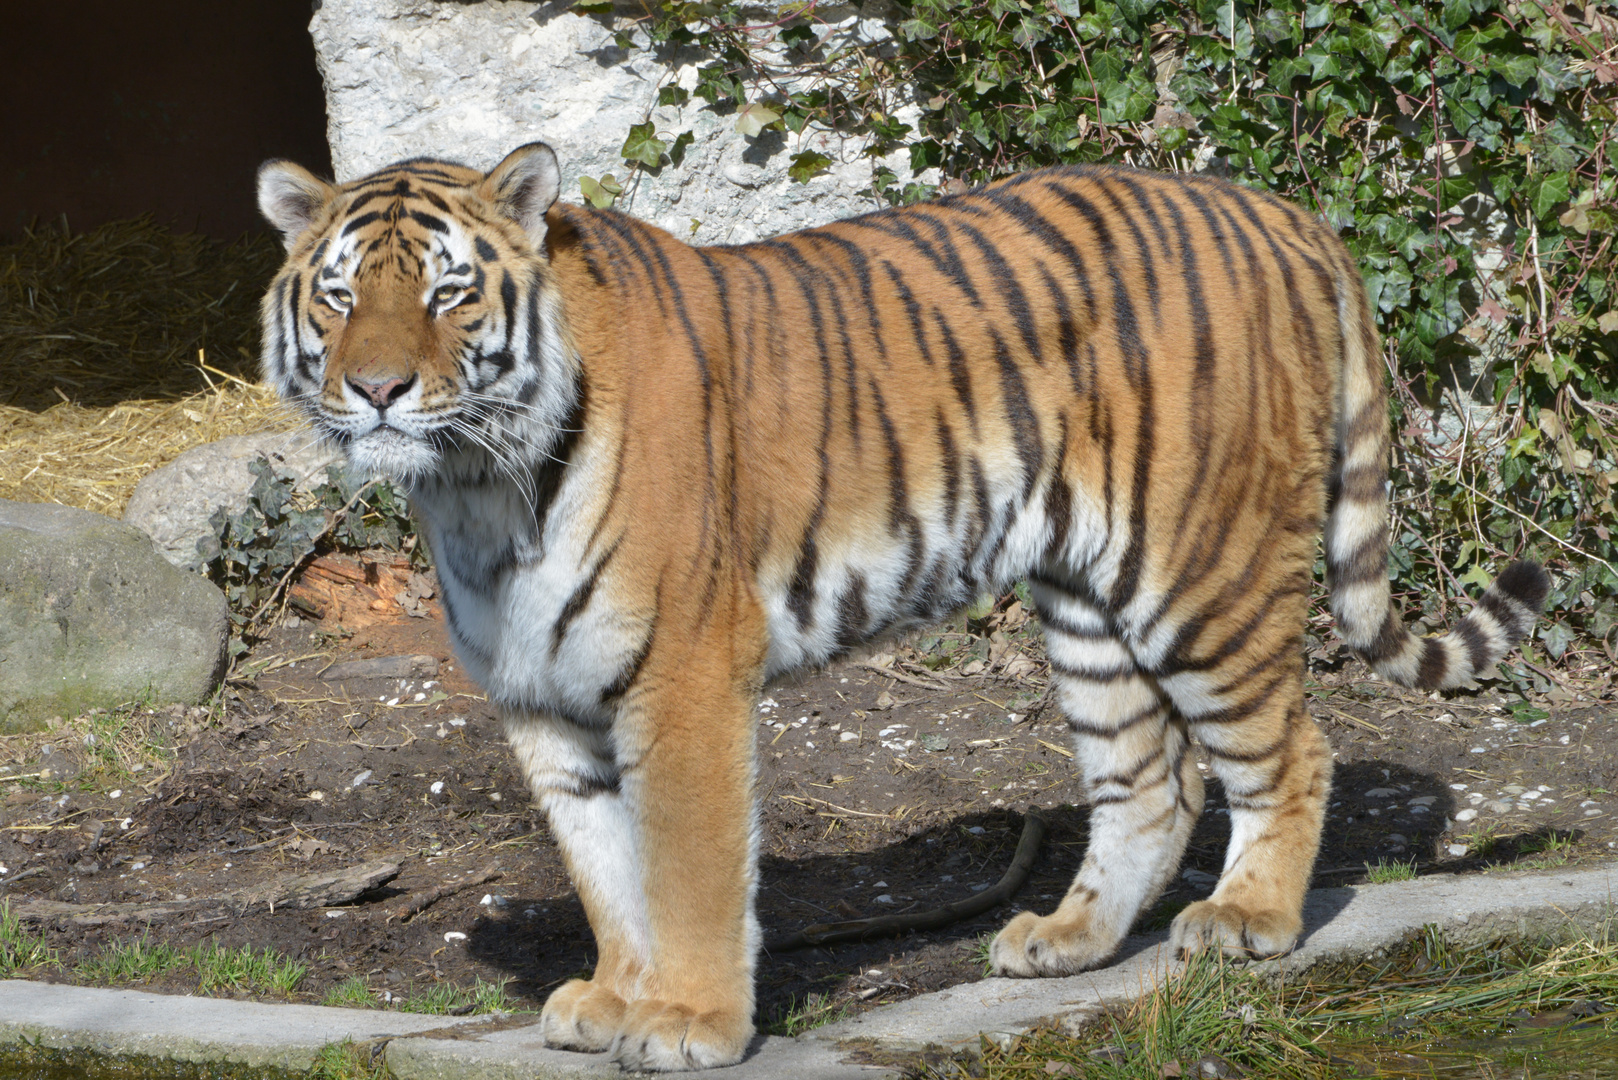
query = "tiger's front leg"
{"x": 655, "y": 820}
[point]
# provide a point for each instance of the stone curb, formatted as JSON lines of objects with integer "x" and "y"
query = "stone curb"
{"x": 1340, "y": 924}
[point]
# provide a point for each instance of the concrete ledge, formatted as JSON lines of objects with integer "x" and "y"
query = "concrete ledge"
{"x": 1340, "y": 925}
{"x": 199, "y": 1029}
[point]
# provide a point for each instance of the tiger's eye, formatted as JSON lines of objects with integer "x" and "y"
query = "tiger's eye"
{"x": 446, "y": 293}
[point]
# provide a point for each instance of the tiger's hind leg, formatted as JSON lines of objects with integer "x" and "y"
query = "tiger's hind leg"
{"x": 1244, "y": 702}
{"x": 1144, "y": 789}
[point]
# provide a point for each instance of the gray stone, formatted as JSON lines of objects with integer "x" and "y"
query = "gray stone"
{"x": 471, "y": 82}
{"x": 92, "y": 616}
{"x": 173, "y": 504}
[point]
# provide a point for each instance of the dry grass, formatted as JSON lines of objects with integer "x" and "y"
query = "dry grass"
{"x": 93, "y": 458}
{"x": 120, "y": 348}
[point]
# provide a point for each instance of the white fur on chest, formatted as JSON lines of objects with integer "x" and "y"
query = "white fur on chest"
{"x": 527, "y": 621}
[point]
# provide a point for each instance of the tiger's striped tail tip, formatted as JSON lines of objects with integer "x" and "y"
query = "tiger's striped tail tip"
{"x": 1504, "y": 615}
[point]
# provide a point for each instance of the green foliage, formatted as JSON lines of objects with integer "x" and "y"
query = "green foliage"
{"x": 21, "y": 950}
{"x": 255, "y": 551}
{"x": 1461, "y": 147}
{"x": 1386, "y": 872}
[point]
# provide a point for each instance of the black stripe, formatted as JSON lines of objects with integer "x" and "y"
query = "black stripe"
{"x": 578, "y": 601}
{"x": 960, "y": 376}
{"x": 1020, "y": 416}
{"x": 485, "y": 250}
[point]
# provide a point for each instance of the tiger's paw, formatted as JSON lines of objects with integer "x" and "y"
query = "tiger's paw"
{"x": 580, "y": 1015}
{"x": 1234, "y": 929}
{"x": 1059, "y": 944}
{"x": 659, "y": 1036}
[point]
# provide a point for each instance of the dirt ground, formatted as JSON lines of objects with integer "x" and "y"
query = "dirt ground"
{"x": 889, "y": 784}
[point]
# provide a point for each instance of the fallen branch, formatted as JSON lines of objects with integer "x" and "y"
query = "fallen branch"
{"x": 304, "y": 892}
{"x": 1022, "y": 864}
{"x": 421, "y": 901}
{"x": 902, "y": 677}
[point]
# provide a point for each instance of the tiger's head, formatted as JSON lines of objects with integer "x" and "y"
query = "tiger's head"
{"x": 416, "y": 317}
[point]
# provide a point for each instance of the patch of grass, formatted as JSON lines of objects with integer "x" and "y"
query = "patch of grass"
{"x": 244, "y": 969}
{"x": 347, "y": 1061}
{"x": 137, "y": 960}
{"x": 1386, "y": 872}
{"x": 1202, "y": 1021}
{"x": 351, "y": 993}
{"x": 447, "y": 999}
{"x": 22, "y": 950}
{"x": 816, "y": 1010}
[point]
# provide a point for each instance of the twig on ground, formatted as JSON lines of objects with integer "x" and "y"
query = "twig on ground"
{"x": 421, "y": 901}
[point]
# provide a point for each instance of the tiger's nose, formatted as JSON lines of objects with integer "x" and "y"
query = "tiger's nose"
{"x": 385, "y": 393}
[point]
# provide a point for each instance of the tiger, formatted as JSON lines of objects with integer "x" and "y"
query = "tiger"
{"x": 655, "y": 476}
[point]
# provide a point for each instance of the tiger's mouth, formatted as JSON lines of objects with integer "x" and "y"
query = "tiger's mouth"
{"x": 388, "y": 451}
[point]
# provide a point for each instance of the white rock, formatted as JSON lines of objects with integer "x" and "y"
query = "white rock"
{"x": 1382, "y": 793}
{"x": 360, "y": 778}
{"x": 471, "y": 82}
{"x": 1465, "y": 815}
{"x": 452, "y": 936}
{"x": 848, "y": 736}
{"x": 1458, "y": 850}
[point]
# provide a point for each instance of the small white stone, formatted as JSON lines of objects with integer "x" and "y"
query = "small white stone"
{"x": 115, "y": 793}
{"x": 392, "y": 702}
{"x": 126, "y": 823}
{"x": 436, "y": 787}
{"x": 137, "y": 866}
{"x": 1382, "y": 793}
{"x": 420, "y": 697}
{"x": 1465, "y": 815}
{"x": 1423, "y": 800}
{"x": 360, "y": 778}
{"x": 1592, "y": 812}
{"x": 452, "y": 936}
{"x": 1457, "y": 787}
{"x": 1479, "y": 750}
{"x": 848, "y": 736}
{"x": 976, "y": 830}
{"x": 879, "y": 884}
{"x": 1458, "y": 850}
{"x": 885, "y": 898}
{"x": 334, "y": 914}
{"x": 317, "y": 796}
{"x": 1563, "y": 740}
{"x": 456, "y": 721}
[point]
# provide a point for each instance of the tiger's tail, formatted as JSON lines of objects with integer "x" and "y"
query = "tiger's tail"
{"x": 1356, "y": 538}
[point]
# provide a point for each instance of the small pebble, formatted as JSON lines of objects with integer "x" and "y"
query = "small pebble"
{"x": 360, "y": 778}
{"x": 1465, "y": 815}
{"x": 1496, "y": 806}
{"x": 976, "y": 830}
{"x": 317, "y": 795}
{"x": 885, "y": 898}
{"x": 456, "y": 721}
{"x": 334, "y": 914}
{"x": 436, "y": 787}
{"x": 1382, "y": 793}
{"x": 453, "y": 936}
{"x": 1458, "y": 850}
{"x": 848, "y": 736}
{"x": 115, "y": 793}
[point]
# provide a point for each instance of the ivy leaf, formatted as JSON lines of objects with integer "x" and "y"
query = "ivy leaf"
{"x": 601, "y": 193}
{"x": 806, "y": 165}
{"x": 644, "y": 146}
{"x": 673, "y": 95}
{"x": 753, "y": 119}
{"x": 677, "y": 151}
{"x": 1550, "y": 191}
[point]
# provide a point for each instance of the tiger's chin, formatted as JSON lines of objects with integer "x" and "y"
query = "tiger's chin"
{"x": 385, "y": 451}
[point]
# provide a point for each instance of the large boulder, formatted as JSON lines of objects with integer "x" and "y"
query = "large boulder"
{"x": 174, "y": 504}
{"x": 471, "y": 82}
{"x": 92, "y": 616}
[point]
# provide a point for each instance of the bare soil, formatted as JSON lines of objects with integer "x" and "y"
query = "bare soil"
{"x": 893, "y": 783}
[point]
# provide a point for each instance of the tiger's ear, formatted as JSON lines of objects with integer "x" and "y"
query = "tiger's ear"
{"x": 289, "y": 197}
{"x": 524, "y": 186}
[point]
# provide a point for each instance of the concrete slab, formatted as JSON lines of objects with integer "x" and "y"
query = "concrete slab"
{"x": 201, "y": 1029}
{"x": 1340, "y": 924}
